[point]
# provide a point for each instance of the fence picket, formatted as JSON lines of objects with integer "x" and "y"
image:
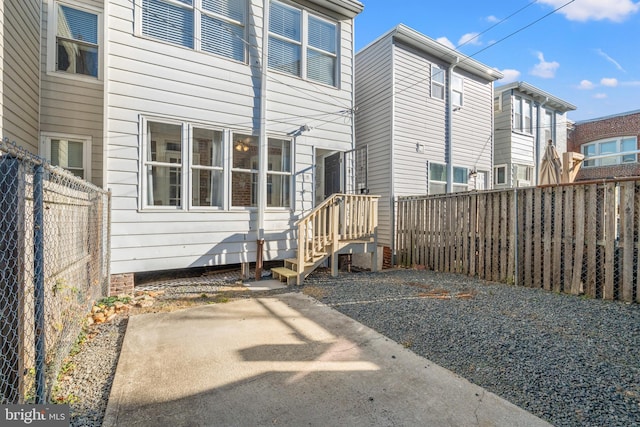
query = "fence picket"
{"x": 558, "y": 214}
{"x": 627, "y": 244}
{"x": 609, "y": 239}
{"x": 591, "y": 236}
{"x": 568, "y": 246}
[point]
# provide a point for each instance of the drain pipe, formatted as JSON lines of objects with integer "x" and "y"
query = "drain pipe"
{"x": 262, "y": 141}
{"x": 449, "y": 142}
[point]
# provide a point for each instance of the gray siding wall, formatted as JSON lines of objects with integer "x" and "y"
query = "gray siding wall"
{"x": 156, "y": 80}
{"x": 418, "y": 119}
{"x": 19, "y": 75}
{"x": 473, "y": 127}
{"x": 73, "y": 105}
{"x": 374, "y": 125}
{"x": 502, "y": 135}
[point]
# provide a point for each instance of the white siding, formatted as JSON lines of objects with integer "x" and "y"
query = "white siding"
{"x": 502, "y": 130}
{"x": 149, "y": 78}
{"x": 19, "y": 79}
{"x": 374, "y": 127}
{"x": 72, "y": 105}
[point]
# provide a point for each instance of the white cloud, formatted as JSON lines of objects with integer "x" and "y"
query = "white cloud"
{"x": 445, "y": 41}
{"x": 600, "y": 95}
{"x": 492, "y": 19}
{"x": 610, "y": 82}
{"x": 633, "y": 83}
{"x": 596, "y": 10}
{"x": 544, "y": 69}
{"x": 610, "y": 59}
{"x": 470, "y": 38}
{"x": 586, "y": 85}
{"x": 509, "y": 76}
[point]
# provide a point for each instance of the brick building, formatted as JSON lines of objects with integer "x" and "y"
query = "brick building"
{"x": 609, "y": 145}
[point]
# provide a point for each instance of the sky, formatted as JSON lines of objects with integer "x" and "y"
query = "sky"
{"x": 586, "y": 53}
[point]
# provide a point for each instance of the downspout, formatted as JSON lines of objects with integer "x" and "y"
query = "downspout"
{"x": 538, "y": 131}
{"x": 449, "y": 137}
{"x": 262, "y": 140}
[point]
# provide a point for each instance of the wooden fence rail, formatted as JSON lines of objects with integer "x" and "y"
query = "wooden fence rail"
{"x": 577, "y": 239}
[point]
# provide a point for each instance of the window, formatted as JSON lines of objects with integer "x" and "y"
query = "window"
{"x": 523, "y": 175}
{"x": 76, "y": 49}
{"x": 244, "y": 172}
{"x": 279, "y": 173}
{"x": 456, "y": 87}
{"x": 163, "y": 164}
{"x": 460, "y": 179}
{"x": 214, "y": 26}
{"x": 522, "y": 115}
{"x": 437, "y": 82}
{"x": 606, "y": 151}
{"x": 72, "y": 153}
{"x": 548, "y": 127}
{"x": 207, "y": 168}
{"x": 314, "y": 57}
{"x": 437, "y": 178}
{"x": 500, "y": 175}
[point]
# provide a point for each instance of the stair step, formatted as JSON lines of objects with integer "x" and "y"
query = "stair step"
{"x": 290, "y": 276}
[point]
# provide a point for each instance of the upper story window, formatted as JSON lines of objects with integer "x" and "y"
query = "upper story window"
{"x": 214, "y": 26}
{"x": 607, "y": 150}
{"x": 548, "y": 126}
{"x": 522, "y": 115}
{"x": 77, "y": 41}
{"x": 457, "y": 87}
{"x": 437, "y": 82}
{"x": 303, "y": 44}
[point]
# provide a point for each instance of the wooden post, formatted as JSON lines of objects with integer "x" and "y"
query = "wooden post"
{"x": 546, "y": 226}
{"x": 568, "y": 248}
{"x": 610, "y": 221}
{"x": 591, "y": 237}
{"x": 627, "y": 224}
{"x": 580, "y": 244}
{"x": 558, "y": 218}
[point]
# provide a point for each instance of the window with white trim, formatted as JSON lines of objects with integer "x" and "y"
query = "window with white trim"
{"x": 437, "y": 178}
{"x": 75, "y": 40}
{"x": 207, "y": 169}
{"x": 522, "y": 121}
{"x": 303, "y": 44}
{"x": 214, "y": 26}
{"x": 70, "y": 152}
{"x": 437, "y": 82}
{"x": 548, "y": 127}
{"x": 244, "y": 171}
{"x": 457, "y": 87}
{"x": 460, "y": 179}
{"x": 279, "y": 173}
{"x": 500, "y": 175}
{"x": 608, "y": 149}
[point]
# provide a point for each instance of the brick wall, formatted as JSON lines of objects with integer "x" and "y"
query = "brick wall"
{"x": 595, "y": 130}
{"x": 121, "y": 284}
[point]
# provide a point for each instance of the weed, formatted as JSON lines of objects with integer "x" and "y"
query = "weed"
{"x": 314, "y": 292}
{"x": 110, "y": 301}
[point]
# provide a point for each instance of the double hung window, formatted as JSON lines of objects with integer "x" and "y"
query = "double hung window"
{"x": 77, "y": 38}
{"x": 72, "y": 153}
{"x": 457, "y": 90}
{"x": 437, "y": 82}
{"x": 214, "y": 26}
{"x": 522, "y": 115}
{"x": 303, "y": 44}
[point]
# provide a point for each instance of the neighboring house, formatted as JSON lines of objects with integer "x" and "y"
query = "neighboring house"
{"x": 166, "y": 103}
{"x": 425, "y": 113}
{"x": 19, "y": 79}
{"x": 526, "y": 118}
{"x": 609, "y": 145}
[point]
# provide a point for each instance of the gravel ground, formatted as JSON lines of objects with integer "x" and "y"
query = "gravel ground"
{"x": 569, "y": 360}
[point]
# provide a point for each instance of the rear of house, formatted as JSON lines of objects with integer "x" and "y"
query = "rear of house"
{"x": 207, "y": 151}
{"x": 424, "y": 111}
{"x": 526, "y": 118}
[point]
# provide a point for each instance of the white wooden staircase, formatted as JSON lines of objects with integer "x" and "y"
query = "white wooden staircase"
{"x": 343, "y": 223}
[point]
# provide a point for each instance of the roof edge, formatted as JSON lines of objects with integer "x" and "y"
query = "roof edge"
{"x": 538, "y": 93}
{"x": 347, "y": 8}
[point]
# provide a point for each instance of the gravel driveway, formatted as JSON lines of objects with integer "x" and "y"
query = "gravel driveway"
{"x": 569, "y": 360}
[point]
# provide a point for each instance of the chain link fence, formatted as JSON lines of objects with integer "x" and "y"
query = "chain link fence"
{"x": 579, "y": 239}
{"x": 54, "y": 263}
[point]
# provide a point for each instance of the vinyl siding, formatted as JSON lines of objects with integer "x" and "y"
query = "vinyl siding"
{"x": 502, "y": 131}
{"x": 19, "y": 81}
{"x": 418, "y": 119}
{"x": 70, "y": 104}
{"x": 374, "y": 125}
{"x": 473, "y": 127}
{"x": 156, "y": 80}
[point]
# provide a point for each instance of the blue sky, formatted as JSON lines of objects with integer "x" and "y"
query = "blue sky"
{"x": 587, "y": 53}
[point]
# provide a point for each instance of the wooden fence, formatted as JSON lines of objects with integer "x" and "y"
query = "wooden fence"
{"x": 577, "y": 239}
